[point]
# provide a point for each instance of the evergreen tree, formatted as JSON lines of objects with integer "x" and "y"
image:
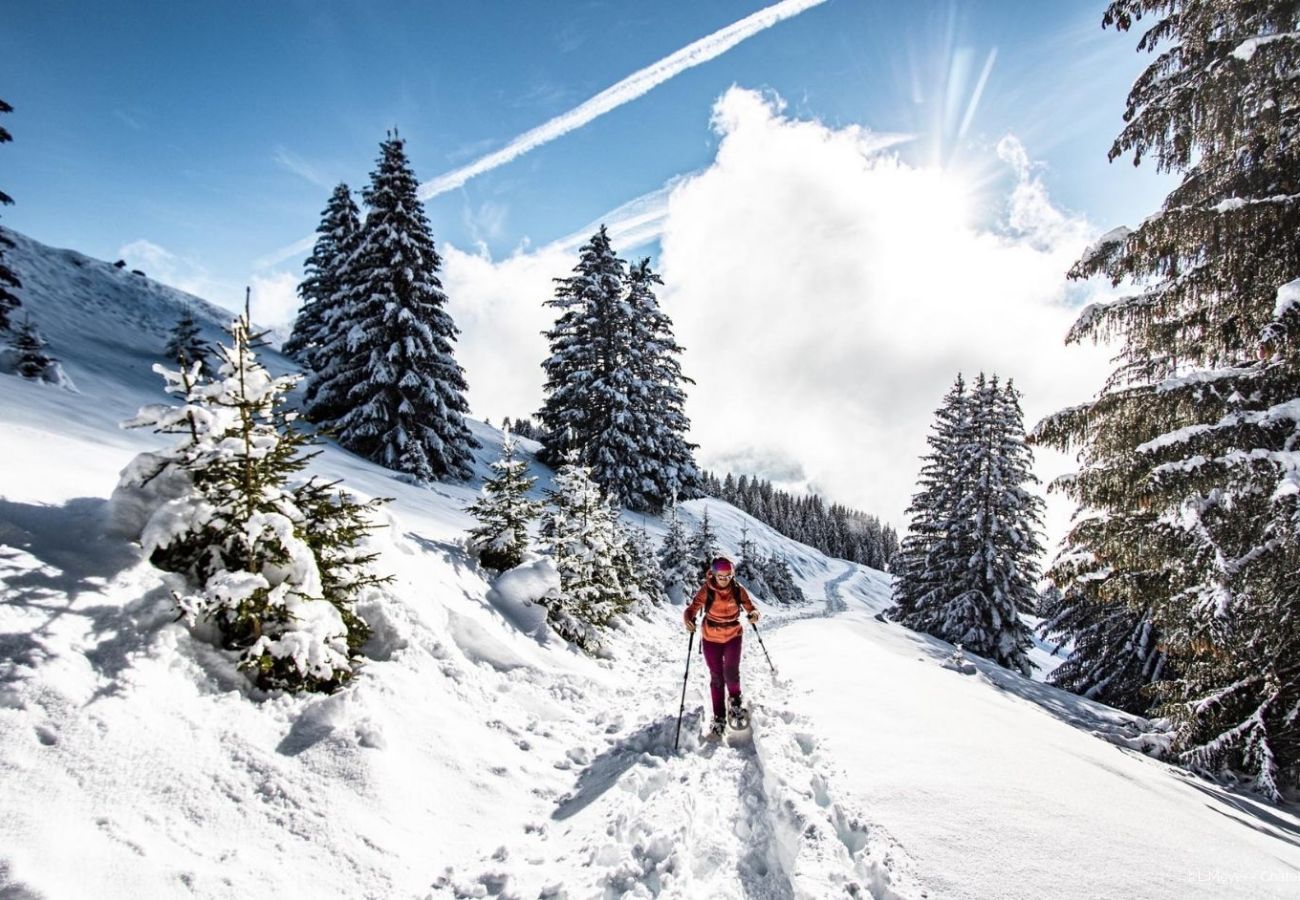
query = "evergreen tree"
{"x": 1185, "y": 475}
{"x": 1116, "y": 651}
{"x": 29, "y": 345}
{"x": 8, "y": 278}
{"x": 703, "y": 548}
{"x": 921, "y": 571}
{"x": 675, "y": 556}
{"x": 969, "y": 566}
{"x": 637, "y": 567}
{"x": 589, "y": 382}
{"x": 667, "y": 459}
{"x": 579, "y": 525}
{"x": 504, "y": 511}
{"x": 323, "y": 286}
{"x": 277, "y": 567}
{"x": 397, "y": 395}
{"x": 613, "y": 384}
{"x": 774, "y": 573}
{"x": 186, "y": 347}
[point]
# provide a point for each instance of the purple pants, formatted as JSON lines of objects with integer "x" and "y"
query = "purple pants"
{"x": 724, "y": 666}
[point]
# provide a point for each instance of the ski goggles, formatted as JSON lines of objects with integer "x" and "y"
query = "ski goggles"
{"x": 721, "y": 567}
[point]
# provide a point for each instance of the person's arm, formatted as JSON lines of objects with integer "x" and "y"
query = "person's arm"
{"x": 697, "y": 604}
{"x": 749, "y": 605}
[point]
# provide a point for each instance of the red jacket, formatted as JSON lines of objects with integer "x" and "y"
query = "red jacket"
{"x": 724, "y": 609}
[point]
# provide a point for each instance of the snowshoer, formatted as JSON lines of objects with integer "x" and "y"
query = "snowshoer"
{"x": 721, "y": 599}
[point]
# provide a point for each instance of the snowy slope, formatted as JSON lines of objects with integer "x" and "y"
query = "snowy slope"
{"x": 478, "y": 756}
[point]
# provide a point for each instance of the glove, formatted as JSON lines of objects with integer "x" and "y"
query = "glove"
{"x": 753, "y": 617}
{"x": 690, "y": 625}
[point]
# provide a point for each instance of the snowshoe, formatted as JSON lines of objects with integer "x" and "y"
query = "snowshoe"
{"x": 738, "y": 714}
{"x": 717, "y": 729}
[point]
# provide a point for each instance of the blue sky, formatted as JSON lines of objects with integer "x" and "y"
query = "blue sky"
{"x": 215, "y": 130}
{"x": 200, "y": 140}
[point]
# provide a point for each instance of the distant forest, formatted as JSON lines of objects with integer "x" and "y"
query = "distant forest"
{"x": 835, "y": 530}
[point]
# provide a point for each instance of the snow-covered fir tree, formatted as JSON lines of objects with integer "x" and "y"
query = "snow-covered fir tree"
{"x": 921, "y": 567}
{"x": 276, "y": 566}
{"x": 322, "y": 288}
{"x": 702, "y": 549}
{"x": 1186, "y": 455}
{"x": 186, "y": 347}
{"x": 579, "y": 528}
{"x": 521, "y": 427}
{"x": 30, "y": 359}
{"x": 1116, "y": 652}
{"x": 667, "y": 459}
{"x": 774, "y": 574}
{"x": 397, "y": 395}
{"x": 679, "y": 571}
{"x": 504, "y": 511}
{"x": 613, "y": 385}
{"x": 975, "y": 564}
{"x": 638, "y": 567}
{"x": 9, "y": 281}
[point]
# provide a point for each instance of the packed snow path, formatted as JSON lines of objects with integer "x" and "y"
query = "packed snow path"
{"x": 749, "y": 817}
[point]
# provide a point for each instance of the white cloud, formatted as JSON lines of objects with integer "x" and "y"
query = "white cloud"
{"x": 274, "y": 301}
{"x": 827, "y": 294}
{"x": 498, "y": 306}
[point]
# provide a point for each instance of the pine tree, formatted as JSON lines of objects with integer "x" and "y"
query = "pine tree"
{"x": 397, "y": 395}
{"x": 613, "y": 383}
{"x": 1116, "y": 652}
{"x": 968, "y": 566}
{"x": 920, "y": 569}
{"x": 9, "y": 281}
{"x": 323, "y": 286}
{"x": 186, "y": 347}
{"x": 637, "y": 568}
{"x": 1185, "y": 476}
{"x": 667, "y": 459}
{"x": 579, "y": 525}
{"x": 504, "y": 511}
{"x": 276, "y": 567}
{"x": 589, "y": 382}
{"x": 675, "y": 561}
{"x": 703, "y": 547}
{"x": 29, "y": 345}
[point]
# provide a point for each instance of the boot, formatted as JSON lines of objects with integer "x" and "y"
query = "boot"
{"x": 737, "y": 715}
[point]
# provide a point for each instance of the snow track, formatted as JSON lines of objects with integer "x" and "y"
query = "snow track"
{"x": 753, "y": 818}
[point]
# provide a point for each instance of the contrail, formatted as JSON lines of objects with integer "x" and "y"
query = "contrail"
{"x": 631, "y": 87}
{"x": 625, "y": 91}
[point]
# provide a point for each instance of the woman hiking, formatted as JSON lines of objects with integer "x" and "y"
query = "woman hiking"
{"x": 721, "y": 599}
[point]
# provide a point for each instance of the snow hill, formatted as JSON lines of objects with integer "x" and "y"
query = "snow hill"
{"x": 478, "y": 756}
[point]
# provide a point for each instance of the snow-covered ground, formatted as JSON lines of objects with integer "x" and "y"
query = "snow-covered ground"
{"x": 478, "y": 756}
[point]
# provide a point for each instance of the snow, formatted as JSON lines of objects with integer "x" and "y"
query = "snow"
{"x": 1288, "y": 296}
{"x": 476, "y": 755}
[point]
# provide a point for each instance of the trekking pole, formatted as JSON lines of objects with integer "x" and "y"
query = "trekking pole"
{"x": 754, "y": 626}
{"x": 690, "y": 645}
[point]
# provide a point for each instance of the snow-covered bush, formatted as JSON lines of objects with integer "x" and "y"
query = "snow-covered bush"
{"x": 679, "y": 572}
{"x": 275, "y": 566}
{"x": 580, "y": 526}
{"x": 503, "y": 512}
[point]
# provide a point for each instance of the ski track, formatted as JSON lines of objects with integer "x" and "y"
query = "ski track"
{"x": 755, "y": 818}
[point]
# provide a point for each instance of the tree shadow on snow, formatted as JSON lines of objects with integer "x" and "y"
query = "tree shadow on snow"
{"x": 641, "y": 747}
{"x": 1102, "y": 721}
{"x": 75, "y": 557}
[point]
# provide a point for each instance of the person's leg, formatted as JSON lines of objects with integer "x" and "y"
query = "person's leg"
{"x": 713, "y": 655}
{"x": 731, "y": 664}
